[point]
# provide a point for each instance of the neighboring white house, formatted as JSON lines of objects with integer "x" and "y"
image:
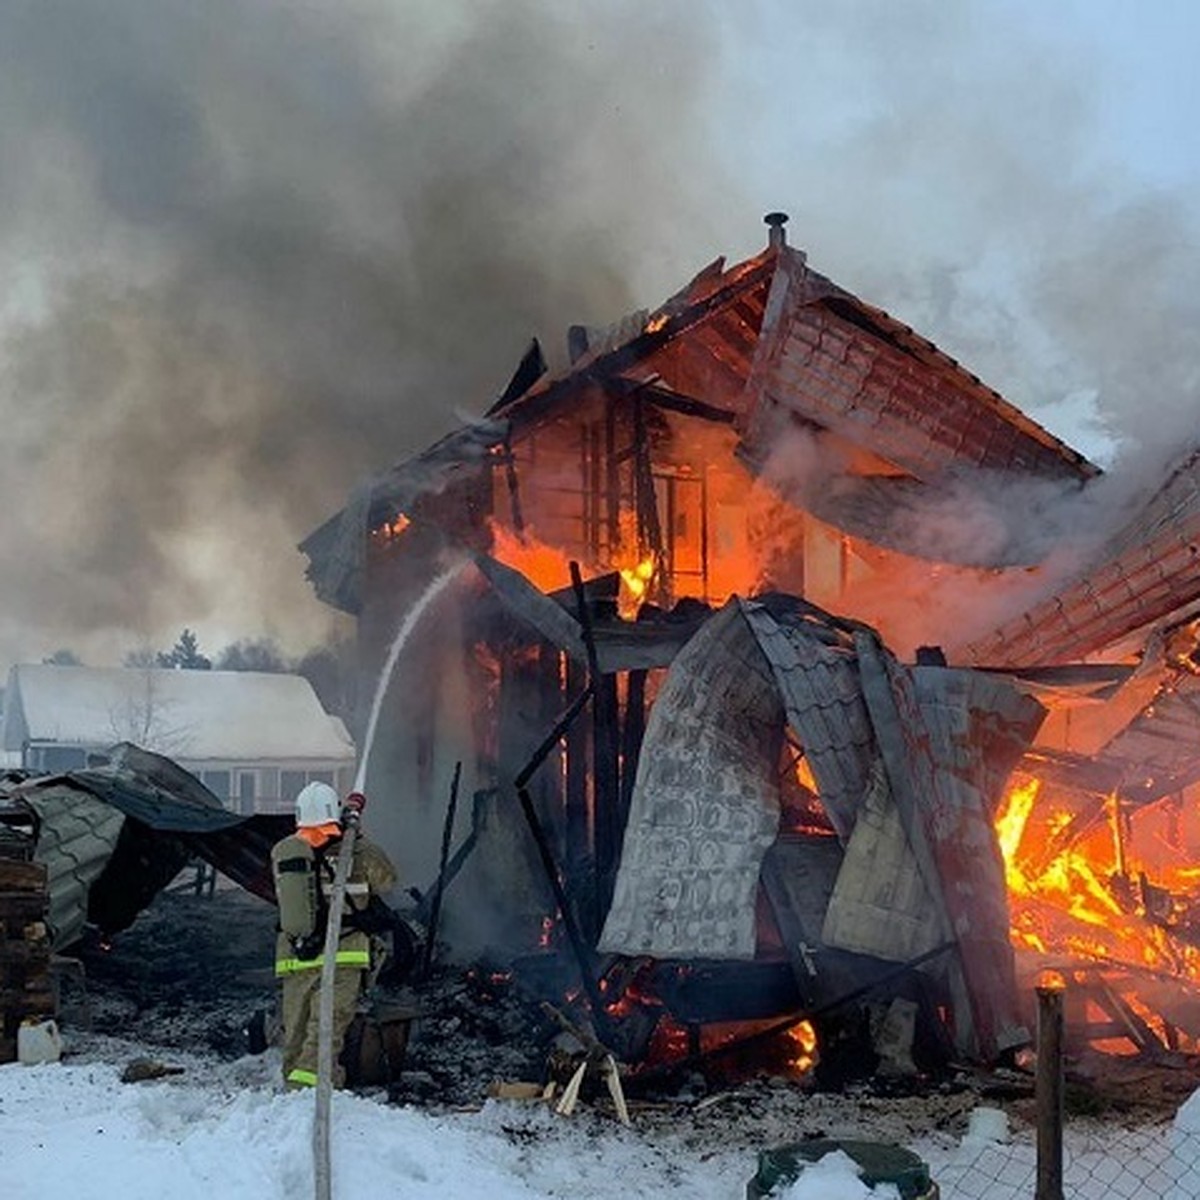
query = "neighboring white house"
{"x": 253, "y": 738}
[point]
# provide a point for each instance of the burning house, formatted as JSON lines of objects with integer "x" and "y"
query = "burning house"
{"x": 717, "y": 626}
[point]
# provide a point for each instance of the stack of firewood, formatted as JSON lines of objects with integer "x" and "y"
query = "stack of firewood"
{"x": 26, "y": 988}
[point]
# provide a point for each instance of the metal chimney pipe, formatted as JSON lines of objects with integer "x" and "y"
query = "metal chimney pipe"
{"x": 776, "y": 238}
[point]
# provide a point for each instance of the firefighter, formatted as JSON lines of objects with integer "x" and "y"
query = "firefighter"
{"x": 303, "y": 865}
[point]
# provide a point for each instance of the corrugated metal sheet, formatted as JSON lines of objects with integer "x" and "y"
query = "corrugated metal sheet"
{"x": 815, "y": 670}
{"x": 705, "y": 803}
{"x": 937, "y": 732}
{"x": 880, "y": 904}
{"x": 912, "y": 760}
{"x": 112, "y": 837}
{"x": 76, "y": 839}
{"x": 1150, "y": 569}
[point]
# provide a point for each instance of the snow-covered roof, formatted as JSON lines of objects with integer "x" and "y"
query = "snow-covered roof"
{"x": 237, "y": 715}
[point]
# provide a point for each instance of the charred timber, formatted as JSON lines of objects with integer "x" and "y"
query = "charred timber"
{"x": 439, "y": 887}
{"x": 583, "y": 958}
{"x": 604, "y": 750}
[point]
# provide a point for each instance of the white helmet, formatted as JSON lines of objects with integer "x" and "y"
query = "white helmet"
{"x": 317, "y": 804}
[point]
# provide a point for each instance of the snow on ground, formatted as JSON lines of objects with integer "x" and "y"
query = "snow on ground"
{"x": 74, "y": 1131}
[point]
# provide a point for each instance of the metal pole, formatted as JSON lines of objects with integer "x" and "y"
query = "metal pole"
{"x": 1049, "y": 1093}
{"x": 322, "y": 1183}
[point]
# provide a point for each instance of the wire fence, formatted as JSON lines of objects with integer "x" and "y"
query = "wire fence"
{"x": 1099, "y": 1163}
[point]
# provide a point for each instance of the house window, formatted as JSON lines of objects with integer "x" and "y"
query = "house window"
{"x": 268, "y": 777}
{"x": 321, "y": 777}
{"x": 247, "y": 791}
{"x": 290, "y": 783}
{"x": 217, "y": 782}
{"x": 58, "y": 758}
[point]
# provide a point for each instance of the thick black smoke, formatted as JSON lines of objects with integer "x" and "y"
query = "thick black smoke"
{"x": 258, "y": 249}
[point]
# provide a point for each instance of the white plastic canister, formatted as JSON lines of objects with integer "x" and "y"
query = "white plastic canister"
{"x": 38, "y": 1041}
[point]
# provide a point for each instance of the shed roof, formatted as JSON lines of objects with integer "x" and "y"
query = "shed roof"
{"x": 191, "y": 715}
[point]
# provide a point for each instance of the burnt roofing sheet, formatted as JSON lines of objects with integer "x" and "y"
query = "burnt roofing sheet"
{"x": 1146, "y": 572}
{"x": 826, "y": 357}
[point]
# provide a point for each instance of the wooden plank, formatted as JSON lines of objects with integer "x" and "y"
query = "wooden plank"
{"x": 22, "y": 876}
{"x": 23, "y": 905}
{"x": 12, "y": 952}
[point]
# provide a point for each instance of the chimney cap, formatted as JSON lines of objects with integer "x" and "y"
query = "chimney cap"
{"x": 777, "y": 238}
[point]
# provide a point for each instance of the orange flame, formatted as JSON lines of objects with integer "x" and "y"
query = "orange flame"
{"x": 389, "y": 531}
{"x": 544, "y": 566}
{"x": 1078, "y": 903}
{"x": 635, "y": 582}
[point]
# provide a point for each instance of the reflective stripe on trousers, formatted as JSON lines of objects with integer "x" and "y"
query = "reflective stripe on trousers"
{"x": 302, "y": 1078}
{"x": 343, "y": 958}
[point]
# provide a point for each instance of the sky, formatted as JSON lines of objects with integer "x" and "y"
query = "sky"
{"x": 256, "y": 251}
{"x": 72, "y": 1130}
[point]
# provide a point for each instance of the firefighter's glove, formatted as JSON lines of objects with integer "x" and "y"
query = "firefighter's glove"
{"x": 352, "y": 808}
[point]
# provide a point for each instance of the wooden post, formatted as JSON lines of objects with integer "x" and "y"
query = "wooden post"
{"x": 1118, "y": 833}
{"x": 631, "y": 743}
{"x": 439, "y": 886}
{"x": 1049, "y": 1092}
{"x": 583, "y": 958}
{"x": 605, "y": 784}
{"x": 579, "y": 859}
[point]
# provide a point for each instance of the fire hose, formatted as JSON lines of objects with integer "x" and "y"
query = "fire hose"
{"x": 322, "y": 1184}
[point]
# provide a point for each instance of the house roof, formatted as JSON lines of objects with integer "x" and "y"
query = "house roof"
{"x": 782, "y": 342}
{"x": 1142, "y": 575}
{"x": 188, "y": 715}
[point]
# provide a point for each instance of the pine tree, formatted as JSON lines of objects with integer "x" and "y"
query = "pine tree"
{"x": 185, "y": 654}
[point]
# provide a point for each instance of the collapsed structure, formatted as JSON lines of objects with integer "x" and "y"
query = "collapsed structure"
{"x": 724, "y": 525}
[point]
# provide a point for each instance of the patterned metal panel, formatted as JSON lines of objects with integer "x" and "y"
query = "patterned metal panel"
{"x": 880, "y": 904}
{"x": 705, "y": 804}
